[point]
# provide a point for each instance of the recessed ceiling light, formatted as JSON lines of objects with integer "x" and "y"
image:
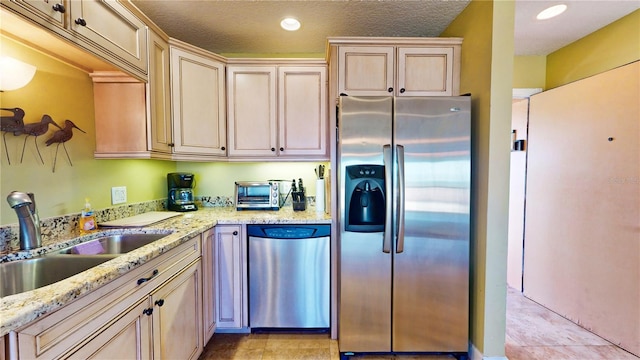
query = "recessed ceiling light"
{"x": 290, "y": 24}
{"x": 552, "y": 11}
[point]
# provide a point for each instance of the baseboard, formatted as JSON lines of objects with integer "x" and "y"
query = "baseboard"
{"x": 475, "y": 354}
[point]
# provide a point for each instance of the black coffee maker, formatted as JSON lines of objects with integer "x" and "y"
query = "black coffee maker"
{"x": 180, "y": 187}
{"x": 365, "y": 198}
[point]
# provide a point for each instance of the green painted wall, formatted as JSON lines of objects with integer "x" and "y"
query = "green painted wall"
{"x": 487, "y": 73}
{"x": 614, "y": 45}
{"x": 64, "y": 92}
{"x": 529, "y": 71}
{"x": 218, "y": 179}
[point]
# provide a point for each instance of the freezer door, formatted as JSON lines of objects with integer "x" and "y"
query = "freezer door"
{"x": 431, "y": 273}
{"x": 365, "y": 270}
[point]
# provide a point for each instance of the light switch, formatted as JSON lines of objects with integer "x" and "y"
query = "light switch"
{"x": 118, "y": 195}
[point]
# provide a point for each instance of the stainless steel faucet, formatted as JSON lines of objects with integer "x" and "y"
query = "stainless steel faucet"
{"x": 25, "y": 206}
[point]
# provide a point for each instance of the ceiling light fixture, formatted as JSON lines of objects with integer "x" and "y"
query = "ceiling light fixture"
{"x": 290, "y": 24}
{"x": 552, "y": 11}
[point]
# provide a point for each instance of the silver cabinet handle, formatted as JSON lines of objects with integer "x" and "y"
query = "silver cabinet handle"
{"x": 400, "y": 212}
{"x": 388, "y": 189}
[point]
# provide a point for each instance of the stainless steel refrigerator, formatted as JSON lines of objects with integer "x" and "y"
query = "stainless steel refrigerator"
{"x": 404, "y": 207}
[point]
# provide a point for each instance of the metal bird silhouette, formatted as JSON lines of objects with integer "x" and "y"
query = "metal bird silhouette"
{"x": 35, "y": 130}
{"x": 14, "y": 124}
{"x": 60, "y": 137}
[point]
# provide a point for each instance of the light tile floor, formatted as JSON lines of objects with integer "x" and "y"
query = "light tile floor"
{"x": 537, "y": 333}
{"x": 533, "y": 333}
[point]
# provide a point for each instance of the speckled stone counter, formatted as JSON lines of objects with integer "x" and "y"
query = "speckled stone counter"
{"x": 21, "y": 309}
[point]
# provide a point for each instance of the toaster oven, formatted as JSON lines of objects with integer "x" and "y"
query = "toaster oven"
{"x": 257, "y": 195}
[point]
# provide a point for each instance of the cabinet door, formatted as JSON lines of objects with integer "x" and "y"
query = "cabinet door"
{"x": 229, "y": 250}
{"x": 198, "y": 104}
{"x": 112, "y": 27}
{"x": 159, "y": 95}
{"x": 177, "y": 324}
{"x": 366, "y": 70}
{"x": 425, "y": 71}
{"x": 128, "y": 337}
{"x": 50, "y": 11}
{"x": 302, "y": 111}
{"x": 208, "y": 286}
{"x": 252, "y": 111}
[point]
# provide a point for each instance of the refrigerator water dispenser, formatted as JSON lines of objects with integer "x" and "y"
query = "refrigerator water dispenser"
{"x": 365, "y": 198}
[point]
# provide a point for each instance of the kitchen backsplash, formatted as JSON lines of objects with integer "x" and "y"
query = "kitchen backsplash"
{"x": 55, "y": 228}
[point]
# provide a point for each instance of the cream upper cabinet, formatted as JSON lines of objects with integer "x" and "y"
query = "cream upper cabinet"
{"x": 252, "y": 110}
{"x": 277, "y": 111}
{"x": 396, "y": 66}
{"x": 366, "y": 71}
{"x": 105, "y": 28}
{"x": 198, "y": 102}
{"x": 302, "y": 111}
{"x": 159, "y": 96}
{"x": 112, "y": 27}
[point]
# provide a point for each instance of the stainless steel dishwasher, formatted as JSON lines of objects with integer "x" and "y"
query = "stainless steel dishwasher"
{"x": 289, "y": 276}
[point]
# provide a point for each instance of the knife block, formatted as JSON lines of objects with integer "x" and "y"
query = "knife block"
{"x": 299, "y": 201}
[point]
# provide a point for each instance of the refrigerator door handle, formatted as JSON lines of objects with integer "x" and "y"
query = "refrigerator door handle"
{"x": 401, "y": 197}
{"x": 387, "y": 158}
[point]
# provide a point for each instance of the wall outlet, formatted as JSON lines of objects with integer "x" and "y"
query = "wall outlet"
{"x": 118, "y": 195}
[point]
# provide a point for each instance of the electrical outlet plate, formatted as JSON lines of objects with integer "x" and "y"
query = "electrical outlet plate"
{"x": 118, "y": 195}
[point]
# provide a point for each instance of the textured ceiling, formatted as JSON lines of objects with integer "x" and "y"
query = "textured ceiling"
{"x": 252, "y": 27}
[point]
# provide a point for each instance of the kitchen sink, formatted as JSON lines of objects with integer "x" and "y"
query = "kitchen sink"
{"x": 113, "y": 244}
{"x": 24, "y": 275}
{"x": 29, "y": 274}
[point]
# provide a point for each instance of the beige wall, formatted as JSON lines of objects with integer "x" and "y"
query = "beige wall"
{"x": 487, "y": 69}
{"x": 64, "y": 92}
{"x": 582, "y": 246}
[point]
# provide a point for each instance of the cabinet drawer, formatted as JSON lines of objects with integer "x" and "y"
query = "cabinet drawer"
{"x": 74, "y": 324}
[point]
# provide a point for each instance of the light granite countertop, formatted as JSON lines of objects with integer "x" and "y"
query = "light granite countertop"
{"x": 21, "y": 309}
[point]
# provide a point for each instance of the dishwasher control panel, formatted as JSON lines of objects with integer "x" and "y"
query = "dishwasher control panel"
{"x": 288, "y": 231}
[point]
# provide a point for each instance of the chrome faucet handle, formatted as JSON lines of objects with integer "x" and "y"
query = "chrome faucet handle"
{"x": 17, "y": 198}
{"x": 28, "y": 219}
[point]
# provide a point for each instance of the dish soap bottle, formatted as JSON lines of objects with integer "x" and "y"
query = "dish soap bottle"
{"x": 87, "y": 219}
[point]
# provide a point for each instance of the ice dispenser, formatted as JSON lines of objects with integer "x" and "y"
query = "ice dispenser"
{"x": 365, "y": 198}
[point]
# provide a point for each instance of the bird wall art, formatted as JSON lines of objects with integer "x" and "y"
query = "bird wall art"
{"x": 35, "y": 130}
{"x": 60, "y": 137}
{"x": 13, "y": 124}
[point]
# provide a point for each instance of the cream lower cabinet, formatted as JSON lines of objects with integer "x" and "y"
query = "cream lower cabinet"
{"x": 150, "y": 312}
{"x": 230, "y": 277}
{"x": 396, "y": 66}
{"x": 277, "y": 111}
{"x": 208, "y": 284}
{"x": 176, "y": 312}
{"x": 127, "y": 337}
{"x": 198, "y": 102}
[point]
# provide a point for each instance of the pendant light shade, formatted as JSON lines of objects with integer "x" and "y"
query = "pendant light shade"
{"x": 14, "y": 74}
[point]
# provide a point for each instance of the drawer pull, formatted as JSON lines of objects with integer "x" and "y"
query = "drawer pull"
{"x": 59, "y": 8}
{"x": 148, "y": 311}
{"x": 159, "y": 302}
{"x": 143, "y": 280}
{"x": 81, "y": 22}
